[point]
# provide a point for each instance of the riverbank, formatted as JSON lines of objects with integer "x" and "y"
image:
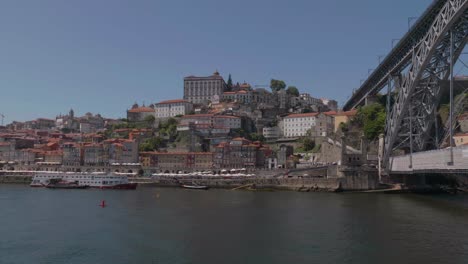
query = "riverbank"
{"x": 258, "y": 183}
{"x": 16, "y": 179}
{"x": 301, "y": 184}
{"x": 255, "y": 183}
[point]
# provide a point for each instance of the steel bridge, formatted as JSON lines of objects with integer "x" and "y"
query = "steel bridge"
{"x": 412, "y": 74}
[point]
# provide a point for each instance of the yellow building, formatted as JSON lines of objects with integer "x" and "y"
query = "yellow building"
{"x": 341, "y": 117}
{"x": 461, "y": 139}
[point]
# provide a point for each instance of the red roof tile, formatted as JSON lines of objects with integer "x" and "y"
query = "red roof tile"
{"x": 141, "y": 110}
{"x": 301, "y": 115}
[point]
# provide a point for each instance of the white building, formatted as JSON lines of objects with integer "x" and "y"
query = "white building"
{"x": 171, "y": 108}
{"x": 310, "y": 100}
{"x": 271, "y": 132}
{"x": 297, "y": 125}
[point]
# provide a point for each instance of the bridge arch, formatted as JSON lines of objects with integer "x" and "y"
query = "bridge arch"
{"x": 419, "y": 93}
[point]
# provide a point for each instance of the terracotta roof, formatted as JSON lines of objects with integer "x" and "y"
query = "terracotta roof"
{"x": 197, "y": 115}
{"x": 143, "y": 109}
{"x": 350, "y": 113}
{"x": 225, "y": 116}
{"x": 238, "y": 92}
{"x": 173, "y": 101}
{"x": 301, "y": 115}
{"x": 461, "y": 135}
{"x": 175, "y": 153}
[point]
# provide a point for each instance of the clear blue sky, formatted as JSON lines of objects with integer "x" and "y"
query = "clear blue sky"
{"x": 102, "y": 56}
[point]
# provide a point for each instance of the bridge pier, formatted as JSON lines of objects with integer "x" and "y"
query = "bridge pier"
{"x": 414, "y": 179}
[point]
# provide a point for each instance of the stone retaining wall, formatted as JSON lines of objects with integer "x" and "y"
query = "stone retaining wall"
{"x": 16, "y": 179}
{"x": 298, "y": 184}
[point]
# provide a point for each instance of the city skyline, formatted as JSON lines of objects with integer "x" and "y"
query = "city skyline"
{"x": 93, "y": 58}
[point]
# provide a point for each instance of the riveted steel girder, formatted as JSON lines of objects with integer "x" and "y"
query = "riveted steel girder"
{"x": 419, "y": 93}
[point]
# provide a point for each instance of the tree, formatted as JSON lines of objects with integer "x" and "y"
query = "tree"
{"x": 169, "y": 127}
{"x": 154, "y": 143}
{"x": 229, "y": 83}
{"x": 308, "y": 144}
{"x": 292, "y": 90}
{"x": 277, "y": 85}
{"x": 150, "y": 120}
{"x": 372, "y": 119}
{"x": 257, "y": 137}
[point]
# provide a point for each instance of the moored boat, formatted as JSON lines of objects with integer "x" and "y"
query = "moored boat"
{"x": 95, "y": 180}
{"x": 61, "y": 184}
{"x": 194, "y": 187}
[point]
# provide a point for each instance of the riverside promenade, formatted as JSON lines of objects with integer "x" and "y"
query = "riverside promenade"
{"x": 309, "y": 179}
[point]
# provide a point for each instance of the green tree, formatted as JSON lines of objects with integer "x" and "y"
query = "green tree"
{"x": 292, "y": 90}
{"x": 150, "y": 120}
{"x": 168, "y": 128}
{"x": 307, "y": 144}
{"x": 154, "y": 143}
{"x": 277, "y": 85}
{"x": 256, "y": 137}
{"x": 229, "y": 82}
{"x": 372, "y": 119}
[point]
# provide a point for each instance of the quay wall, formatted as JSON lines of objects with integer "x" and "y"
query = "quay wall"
{"x": 295, "y": 184}
{"x": 15, "y": 179}
{"x": 353, "y": 181}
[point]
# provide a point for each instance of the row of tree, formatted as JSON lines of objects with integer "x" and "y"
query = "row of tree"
{"x": 278, "y": 85}
{"x": 275, "y": 86}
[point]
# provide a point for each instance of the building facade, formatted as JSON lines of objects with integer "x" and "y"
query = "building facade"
{"x": 271, "y": 132}
{"x": 171, "y": 108}
{"x": 138, "y": 114}
{"x": 460, "y": 139}
{"x": 240, "y": 153}
{"x": 297, "y": 125}
{"x": 177, "y": 161}
{"x": 201, "y": 90}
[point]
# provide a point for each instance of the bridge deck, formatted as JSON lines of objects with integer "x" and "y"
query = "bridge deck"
{"x": 434, "y": 161}
{"x": 398, "y": 58}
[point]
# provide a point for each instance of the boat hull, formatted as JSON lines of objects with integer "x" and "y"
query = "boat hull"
{"x": 126, "y": 186}
{"x": 194, "y": 187}
{"x": 67, "y": 187}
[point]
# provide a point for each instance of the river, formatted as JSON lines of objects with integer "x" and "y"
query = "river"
{"x": 165, "y": 225}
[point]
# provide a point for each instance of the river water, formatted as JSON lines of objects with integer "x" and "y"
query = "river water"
{"x": 164, "y": 225}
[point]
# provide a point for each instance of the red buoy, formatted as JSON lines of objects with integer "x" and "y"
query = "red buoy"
{"x": 103, "y": 203}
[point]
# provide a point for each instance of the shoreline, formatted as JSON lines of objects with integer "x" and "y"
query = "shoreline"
{"x": 260, "y": 184}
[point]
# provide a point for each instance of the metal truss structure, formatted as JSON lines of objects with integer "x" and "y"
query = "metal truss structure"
{"x": 414, "y": 69}
{"x": 412, "y": 117}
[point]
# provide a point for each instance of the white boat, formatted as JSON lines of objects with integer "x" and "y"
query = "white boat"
{"x": 93, "y": 179}
{"x": 194, "y": 187}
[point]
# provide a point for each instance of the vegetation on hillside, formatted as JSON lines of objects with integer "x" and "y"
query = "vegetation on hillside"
{"x": 306, "y": 144}
{"x": 292, "y": 90}
{"x": 371, "y": 118}
{"x": 168, "y": 128}
{"x": 151, "y": 144}
{"x": 277, "y": 85}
